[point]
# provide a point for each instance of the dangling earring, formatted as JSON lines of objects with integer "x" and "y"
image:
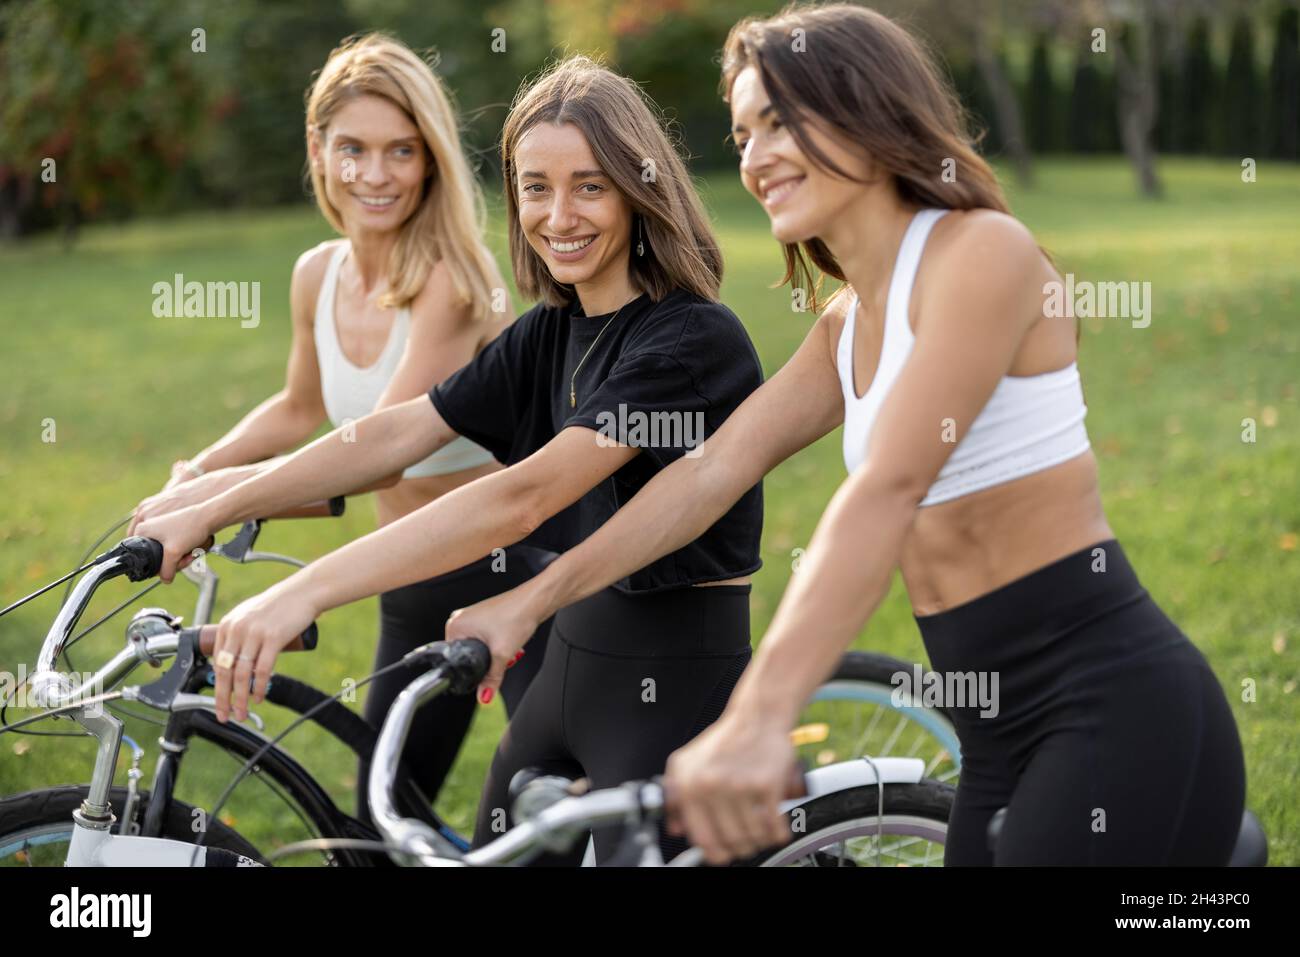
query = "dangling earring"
{"x": 640, "y": 243}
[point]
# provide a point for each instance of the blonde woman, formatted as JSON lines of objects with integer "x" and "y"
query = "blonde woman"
{"x": 404, "y": 298}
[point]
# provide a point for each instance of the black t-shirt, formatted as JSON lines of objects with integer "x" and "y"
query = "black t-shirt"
{"x": 663, "y": 377}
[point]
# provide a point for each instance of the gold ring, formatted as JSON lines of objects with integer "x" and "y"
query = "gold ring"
{"x": 225, "y": 660}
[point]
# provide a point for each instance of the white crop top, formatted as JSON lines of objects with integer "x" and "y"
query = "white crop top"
{"x": 351, "y": 393}
{"x": 1029, "y": 424}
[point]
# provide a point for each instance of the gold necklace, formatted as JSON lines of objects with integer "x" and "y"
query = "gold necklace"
{"x": 573, "y": 390}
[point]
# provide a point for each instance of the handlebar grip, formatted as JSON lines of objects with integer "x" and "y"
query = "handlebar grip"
{"x": 141, "y": 557}
{"x": 467, "y": 662}
{"x": 306, "y": 641}
{"x": 332, "y": 508}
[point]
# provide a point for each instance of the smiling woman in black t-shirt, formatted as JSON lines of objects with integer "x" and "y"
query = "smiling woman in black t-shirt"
{"x": 627, "y": 364}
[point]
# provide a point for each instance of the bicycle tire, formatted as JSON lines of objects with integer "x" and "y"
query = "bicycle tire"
{"x": 310, "y": 798}
{"x": 348, "y": 727}
{"x": 52, "y": 807}
{"x": 853, "y": 812}
{"x": 869, "y": 676}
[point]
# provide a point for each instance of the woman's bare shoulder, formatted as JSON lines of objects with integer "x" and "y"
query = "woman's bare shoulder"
{"x": 309, "y": 270}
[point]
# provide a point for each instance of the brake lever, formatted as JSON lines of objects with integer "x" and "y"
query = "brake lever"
{"x": 185, "y": 701}
{"x": 239, "y": 547}
{"x": 161, "y": 693}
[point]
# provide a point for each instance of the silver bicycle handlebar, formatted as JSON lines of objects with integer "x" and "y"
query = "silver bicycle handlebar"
{"x": 417, "y": 839}
{"x": 52, "y": 689}
{"x": 422, "y": 845}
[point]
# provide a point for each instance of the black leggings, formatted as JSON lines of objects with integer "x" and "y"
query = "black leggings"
{"x": 417, "y": 614}
{"x": 627, "y": 680}
{"x": 1113, "y": 742}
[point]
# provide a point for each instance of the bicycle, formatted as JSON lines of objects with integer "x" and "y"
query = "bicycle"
{"x": 156, "y": 812}
{"x": 842, "y": 818}
{"x": 156, "y": 829}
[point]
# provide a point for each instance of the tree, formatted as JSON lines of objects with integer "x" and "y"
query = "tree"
{"x": 1169, "y": 54}
{"x": 1241, "y": 94}
{"x": 1042, "y": 119}
{"x": 1284, "y": 86}
{"x": 1087, "y": 113}
{"x": 1138, "y": 102}
{"x": 976, "y": 30}
{"x": 102, "y": 108}
{"x": 1198, "y": 92}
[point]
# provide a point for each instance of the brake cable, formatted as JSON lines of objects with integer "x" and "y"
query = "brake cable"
{"x": 41, "y": 591}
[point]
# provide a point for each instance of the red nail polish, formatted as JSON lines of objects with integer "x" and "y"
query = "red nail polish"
{"x": 485, "y": 696}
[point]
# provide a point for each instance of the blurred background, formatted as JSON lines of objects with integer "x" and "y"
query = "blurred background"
{"x": 115, "y": 91}
{"x": 1140, "y": 141}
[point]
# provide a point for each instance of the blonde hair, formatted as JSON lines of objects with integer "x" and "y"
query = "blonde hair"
{"x": 626, "y": 137}
{"x": 448, "y": 224}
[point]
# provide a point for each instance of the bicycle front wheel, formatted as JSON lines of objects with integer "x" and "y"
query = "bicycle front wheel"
{"x": 858, "y": 712}
{"x": 36, "y": 827}
{"x": 907, "y": 826}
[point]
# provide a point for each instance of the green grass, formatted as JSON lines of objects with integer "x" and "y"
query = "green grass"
{"x": 1209, "y": 520}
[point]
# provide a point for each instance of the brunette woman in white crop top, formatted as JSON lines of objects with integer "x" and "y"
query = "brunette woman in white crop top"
{"x": 409, "y": 295}
{"x": 970, "y": 469}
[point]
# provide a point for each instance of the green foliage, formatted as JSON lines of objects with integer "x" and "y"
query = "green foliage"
{"x": 1197, "y": 98}
{"x": 1090, "y": 116}
{"x": 256, "y": 152}
{"x": 113, "y": 95}
{"x": 137, "y": 121}
{"x": 1242, "y": 117}
{"x": 1042, "y": 103}
{"x": 1284, "y": 86}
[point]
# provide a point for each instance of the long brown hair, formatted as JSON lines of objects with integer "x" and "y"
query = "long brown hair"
{"x": 448, "y": 224}
{"x": 629, "y": 142}
{"x": 864, "y": 78}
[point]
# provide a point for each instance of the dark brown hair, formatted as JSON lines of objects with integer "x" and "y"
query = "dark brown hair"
{"x": 630, "y": 144}
{"x": 863, "y": 78}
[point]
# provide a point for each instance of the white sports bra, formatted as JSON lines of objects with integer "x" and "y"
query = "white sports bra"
{"x": 351, "y": 393}
{"x": 1029, "y": 424}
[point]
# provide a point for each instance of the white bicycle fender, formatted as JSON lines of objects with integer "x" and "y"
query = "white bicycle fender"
{"x": 859, "y": 772}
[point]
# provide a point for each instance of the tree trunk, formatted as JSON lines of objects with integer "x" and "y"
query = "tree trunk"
{"x": 1138, "y": 104}
{"x": 1007, "y": 108}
